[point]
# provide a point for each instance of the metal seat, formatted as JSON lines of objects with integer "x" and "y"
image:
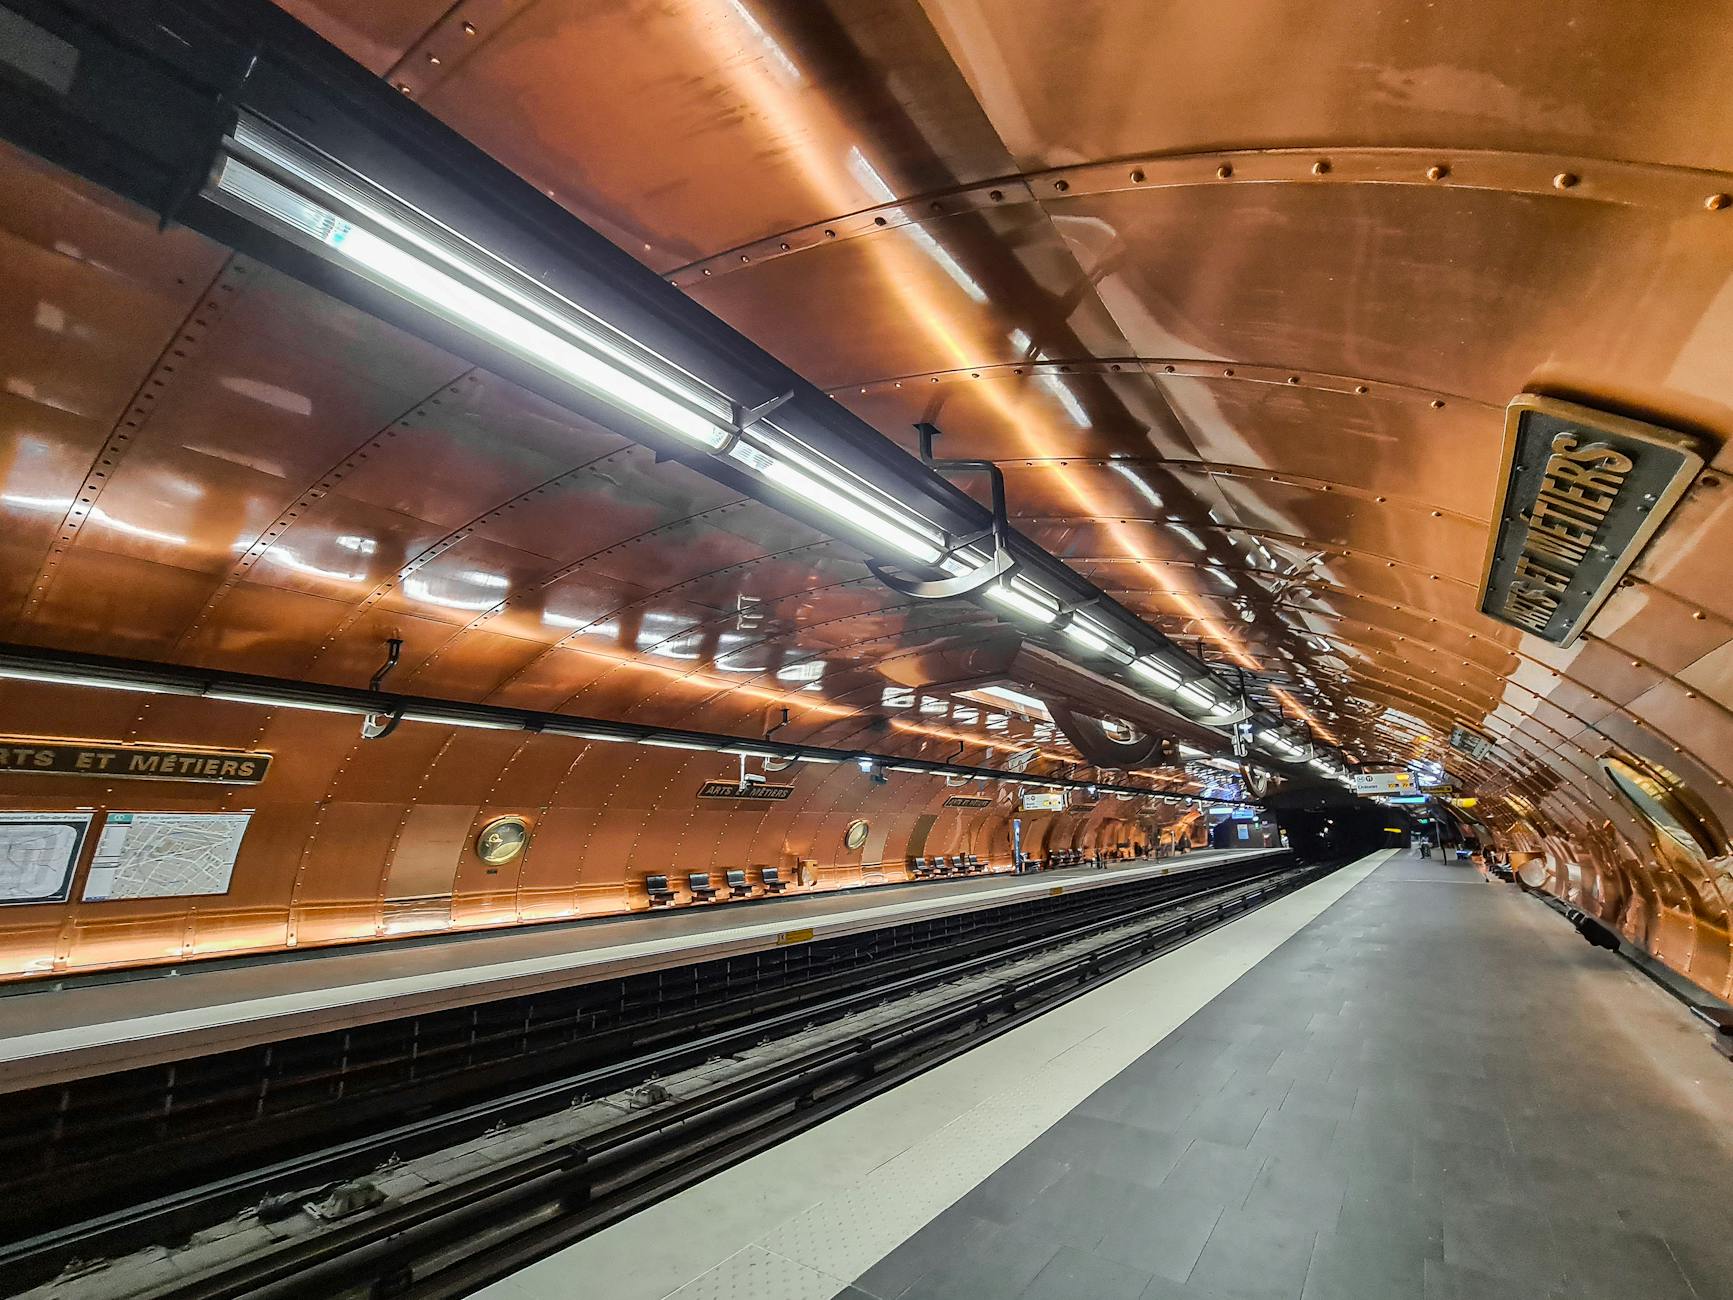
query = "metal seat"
{"x": 737, "y": 886}
{"x": 660, "y": 893}
{"x": 702, "y": 890}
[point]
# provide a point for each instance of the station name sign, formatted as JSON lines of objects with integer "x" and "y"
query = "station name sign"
{"x": 27, "y": 755}
{"x": 728, "y": 790}
{"x": 968, "y": 801}
{"x": 1583, "y": 491}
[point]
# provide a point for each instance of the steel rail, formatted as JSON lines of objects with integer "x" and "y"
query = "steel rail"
{"x": 542, "y": 1201}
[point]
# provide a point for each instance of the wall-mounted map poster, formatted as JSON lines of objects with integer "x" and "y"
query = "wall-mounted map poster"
{"x": 164, "y": 855}
{"x": 38, "y": 854}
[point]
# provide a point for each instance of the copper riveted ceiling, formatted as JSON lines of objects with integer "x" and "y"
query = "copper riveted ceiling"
{"x": 1238, "y": 311}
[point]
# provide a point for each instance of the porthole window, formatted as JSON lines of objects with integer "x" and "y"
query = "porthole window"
{"x": 1668, "y": 806}
{"x": 855, "y": 835}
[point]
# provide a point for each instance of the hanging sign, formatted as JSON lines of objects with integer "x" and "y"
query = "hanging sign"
{"x": 1383, "y": 782}
{"x": 24, "y": 755}
{"x": 1476, "y": 747}
{"x": 729, "y": 790}
{"x": 1044, "y": 801}
{"x": 1581, "y": 494}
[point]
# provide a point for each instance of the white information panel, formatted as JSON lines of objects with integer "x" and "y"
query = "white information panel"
{"x": 164, "y": 855}
{"x": 1383, "y": 783}
{"x": 38, "y": 853}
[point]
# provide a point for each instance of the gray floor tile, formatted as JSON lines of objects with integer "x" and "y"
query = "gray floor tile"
{"x": 941, "y": 1241}
{"x": 1254, "y": 1257}
{"x": 1000, "y": 1267}
{"x": 1363, "y": 1268}
{"x": 1072, "y": 1274}
{"x": 1161, "y": 1233}
{"x": 1369, "y": 1113}
{"x": 1215, "y": 1173}
{"x": 1006, "y": 1193}
{"x": 1076, "y": 1210}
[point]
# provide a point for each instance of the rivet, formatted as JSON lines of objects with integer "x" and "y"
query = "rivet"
{"x": 783, "y": 247}
{"x": 1293, "y": 379}
{"x": 1361, "y": 389}
{"x": 936, "y": 207}
{"x": 706, "y": 270}
{"x": 1715, "y": 202}
{"x": 1224, "y": 171}
{"x": 1137, "y": 176}
{"x": 745, "y": 258}
{"x": 1698, "y": 615}
{"x": 1437, "y": 172}
{"x": 1168, "y": 369}
{"x": 830, "y": 234}
{"x": 1229, "y": 372}
{"x": 1437, "y": 403}
{"x": 879, "y": 221}
{"x": 403, "y": 86}
{"x": 1437, "y": 514}
{"x": 1564, "y": 180}
{"x": 433, "y": 58}
{"x": 1380, "y": 500}
{"x": 1321, "y": 167}
{"x": 469, "y": 29}
{"x": 996, "y": 195}
{"x": 1709, "y": 481}
{"x": 1062, "y": 186}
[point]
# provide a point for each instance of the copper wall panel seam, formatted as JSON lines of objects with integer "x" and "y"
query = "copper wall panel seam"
{"x": 1215, "y": 369}
{"x": 307, "y": 497}
{"x": 176, "y": 354}
{"x": 1659, "y": 187}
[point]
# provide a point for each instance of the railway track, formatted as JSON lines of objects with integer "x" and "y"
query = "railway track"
{"x": 642, "y": 1128}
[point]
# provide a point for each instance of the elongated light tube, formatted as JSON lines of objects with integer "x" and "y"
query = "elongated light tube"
{"x": 466, "y": 291}
{"x": 461, "y": 720}
{"x": 1157, "y": 672}
{"x": 271, "y": 701}
{"x": 71, "y": 678}
{"x": 1017, "y": 602}
{"x": 809, "y": 488}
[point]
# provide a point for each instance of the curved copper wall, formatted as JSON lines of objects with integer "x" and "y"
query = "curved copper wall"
{"x": 1213, "y": 287}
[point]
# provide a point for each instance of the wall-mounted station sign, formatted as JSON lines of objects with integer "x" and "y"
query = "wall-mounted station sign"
{"x": 37, "y": 757}
{"x": 1582, "y": 492}
{"x": 758, "y": 793}
{"x": 968, "y": 801}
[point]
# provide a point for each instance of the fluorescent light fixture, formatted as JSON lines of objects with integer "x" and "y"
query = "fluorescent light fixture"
{"x": 461, "y": 720}
{"x": 359, "y": 226}
{"x": 668, "y": 743}
{"x": 1197, "y": 695}
{"x": 1085, "y": 638}
{"x": 810, "y": 489}
{"x": 283, "y": 701}
{"x": 1192, "y": 751}
{"x": 904, "y": 767}
{"x": 1157, "y": 672}
{"x": 1020, "y": 602}
{"x": 584, "y": 733}
{"x": 819, "y": 758}
{"x": 71, "y": 678}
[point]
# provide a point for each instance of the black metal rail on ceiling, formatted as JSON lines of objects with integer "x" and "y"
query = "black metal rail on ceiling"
{"x": 106, "y": 1165}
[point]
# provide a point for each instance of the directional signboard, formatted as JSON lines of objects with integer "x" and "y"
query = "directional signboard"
{"x": 1383, "y": 782}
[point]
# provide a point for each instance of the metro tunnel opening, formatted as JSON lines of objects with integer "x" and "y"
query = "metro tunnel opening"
{"x": 1033, "y": 661}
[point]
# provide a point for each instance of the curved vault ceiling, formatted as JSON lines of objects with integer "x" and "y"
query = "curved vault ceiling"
{"x": 1236, "y": 299}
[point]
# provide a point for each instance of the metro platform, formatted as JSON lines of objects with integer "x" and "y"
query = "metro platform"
{"x": 1403, "y": 1080}
{"x": 85, "y": 1026}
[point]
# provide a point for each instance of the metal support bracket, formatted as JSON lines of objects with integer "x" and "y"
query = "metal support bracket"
{"x": 1000, "y": 563}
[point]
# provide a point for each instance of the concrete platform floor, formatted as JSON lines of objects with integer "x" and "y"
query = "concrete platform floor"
{"x": 1434, "y": 1090}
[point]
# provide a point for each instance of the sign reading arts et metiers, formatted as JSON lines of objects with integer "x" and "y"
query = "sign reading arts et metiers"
{"x": 35, "y": 757}
{"x": 1582, "y": 493}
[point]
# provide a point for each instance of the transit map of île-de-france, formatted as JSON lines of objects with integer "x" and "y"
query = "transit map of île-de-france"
{"x": 38, "y": 851}
{"x": 165, "y": 855}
